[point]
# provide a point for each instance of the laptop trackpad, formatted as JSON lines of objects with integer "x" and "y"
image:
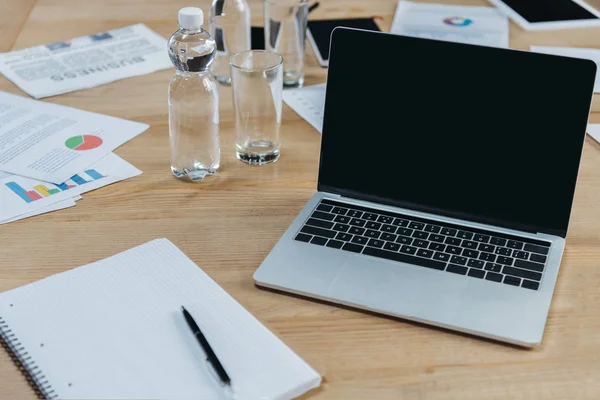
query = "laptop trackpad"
{"x": 399, "y": 289}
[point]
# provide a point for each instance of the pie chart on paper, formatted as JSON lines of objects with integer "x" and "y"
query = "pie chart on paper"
{"x": 83, "y": 142}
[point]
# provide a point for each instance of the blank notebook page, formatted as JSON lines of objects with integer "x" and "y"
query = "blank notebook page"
{"x": 114, "y": 330}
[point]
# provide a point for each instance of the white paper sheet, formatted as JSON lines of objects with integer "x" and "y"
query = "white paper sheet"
{"x": 464, "y": 24}
{"x": 594, "y": 131}
{"x": 51, "y": 143}
{"x": 19, "y": 195}
{"x": 308, "y": 102}
{"x": 575, "y": 52}
{"x": 86, "y": 61}
{"x": 114, "y": 330}
{"x": 52, "y": 207}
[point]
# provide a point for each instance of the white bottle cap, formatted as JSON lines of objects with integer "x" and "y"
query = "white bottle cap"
{"x": 190, "y": 18}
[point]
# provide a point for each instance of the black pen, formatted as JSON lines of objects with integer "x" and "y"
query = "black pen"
{"x": 210, "y": 354}
{"x": 311, "y": 8}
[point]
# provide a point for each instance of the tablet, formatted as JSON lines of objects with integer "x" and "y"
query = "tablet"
{"x": 318, "y": 33}
{"x": 549, "y": 14}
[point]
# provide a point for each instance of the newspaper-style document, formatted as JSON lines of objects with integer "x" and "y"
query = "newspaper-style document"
{"x": 86, "y": 61}
{"x": 484, "y": 26}
{"x": 51, "y": 143}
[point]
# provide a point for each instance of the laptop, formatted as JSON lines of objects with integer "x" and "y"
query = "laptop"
{"x": 446, "y": 181}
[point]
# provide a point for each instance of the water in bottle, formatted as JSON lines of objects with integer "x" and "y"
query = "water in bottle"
{"x": 193, "y": 100}
{"x": 230, "y": 26}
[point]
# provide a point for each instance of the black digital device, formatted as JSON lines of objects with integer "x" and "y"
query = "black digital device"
{"x": 465, "y": 131}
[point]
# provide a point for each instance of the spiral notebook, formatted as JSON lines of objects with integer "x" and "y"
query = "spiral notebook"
{"x": 113, "y": 329}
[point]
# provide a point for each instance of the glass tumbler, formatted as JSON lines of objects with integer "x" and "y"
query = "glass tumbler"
{"x": 285, "y": 33}
{"x": 257, "y": 84}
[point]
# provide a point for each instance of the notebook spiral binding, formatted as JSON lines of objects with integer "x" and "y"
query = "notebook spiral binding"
{"x": 25, "y": 363}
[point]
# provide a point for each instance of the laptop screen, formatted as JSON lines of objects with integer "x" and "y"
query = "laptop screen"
{"x": 479, "y": 133}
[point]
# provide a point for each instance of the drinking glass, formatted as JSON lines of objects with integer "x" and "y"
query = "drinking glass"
{"x": 257, "y": 84}
{"x": 285, "y": 33}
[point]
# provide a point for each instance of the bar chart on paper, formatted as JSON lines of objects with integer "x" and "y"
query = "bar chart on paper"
{"x": 41, "y": 191}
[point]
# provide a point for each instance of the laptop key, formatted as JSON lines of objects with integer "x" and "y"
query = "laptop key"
{"x": 341, "y": 227}
{"x": 343, "y": 236}
{"x": 391, "y": 246}
{"x": 457, "y": 269}
{"x": 336, "y": 244}
{"x": 303, "y": 237}
{"x": 324, "y": 207}
{"x": 493, "y": 267}
{"x": 530, "y": 284}
{"x": 453, "y": 241}
{"x": 425, "y": 253}
{"x": 420, "y": 243}
{"x": 503, "y": 251}
{"x": 475, "y": 264}
{"x": 359, "y": 240}
{"x": 441, "y": 256}
{"x": 458, "y": 260}
{"x": 453, "y": 250}
{"x": 522, "y": 273}
{"x": 388, "y": 237}
{"x": 375, "y": 243}
{"x": 437, "y": 246}
{"x": 318, "y": 240}
{"x": 404, "y": 231}
{"x": 464, "y": 235}
{"x": 496, "y": 241}
{"x": 432, "y": 229}
{"x": 372, "y": 234}
{"x": 400, "y": 222}
{"x": 343, "y": 219}
{"x": 408, "y": 249}
{"x": 481, "y": 238}
{"x": 487, "y": 257}
{"x": 537, "y": 258}
{"x": 504, "y": 260}
{"x": 492, "y": 276}
{"x": 420, "y": 235}
{"x": 476, "y": 273}
{"x": 486, "y": 247}
{"x": 511, "y": 280}
{"x": 470, "y": 253}
{"x": 404, "y": 240}
{"x": 312, "y": 230}
{"x": 529, "y": 265}
{"x": 469, "y": 244}
{"x": 354, "y": 213}
{"x": 339, "y": 210}
{"x": 385, "y": 219}
{"x": 323, "y": 215}
{"x": 520, "y": 254}
{"x": 355, "y": 248}
{"x": 369, "y": 216}
{"x": 536, "y": 249}
{"x": 388, "y": 228}
{"x": 416, "y": 225}
{"x": 436, "y": 238}
{"x": 513, "y": 244}
{"x": 357, "y": 222}
{"x": 356, "y": 230}
{"x": 373, "y": 225}
{"x": 319, "y": 223}
{"x": 448, "y": 231}
{"x": 422, "y": 262}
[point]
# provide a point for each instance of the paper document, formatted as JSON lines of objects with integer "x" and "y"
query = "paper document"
{"x": 308, "y": 102}
{"x": 484, "y": 26}
{"x": 594, "y": 131}
{"x": 53, "y": 207}
{"x": 19, "y": 195}
{"x": 86, "y": 61}
{"x": 114, "y": 329}
{"x": 575, "y": 52}
{"x": 51, "y": 143}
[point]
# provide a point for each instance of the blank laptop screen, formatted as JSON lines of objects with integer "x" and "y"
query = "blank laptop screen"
{"x": 485, "y": 134}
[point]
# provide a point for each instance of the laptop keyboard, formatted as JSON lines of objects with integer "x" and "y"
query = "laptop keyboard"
{"x": 475, "y": 253}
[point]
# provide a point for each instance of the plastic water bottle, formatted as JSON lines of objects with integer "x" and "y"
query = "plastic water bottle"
{"x": 193, "y": 100}
{"x": 229, "y": 24}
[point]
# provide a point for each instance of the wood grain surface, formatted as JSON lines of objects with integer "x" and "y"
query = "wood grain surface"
{"x": 230, "y": 222}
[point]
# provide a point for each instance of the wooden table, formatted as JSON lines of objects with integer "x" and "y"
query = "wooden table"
{"x": 229, "y": 223}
